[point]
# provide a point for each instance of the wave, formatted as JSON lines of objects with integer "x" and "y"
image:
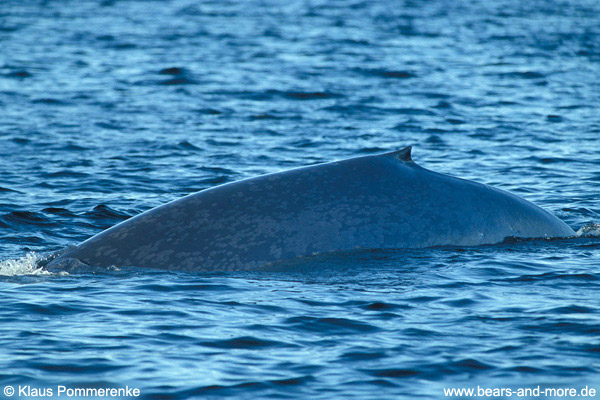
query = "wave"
{"x": 26, "y": 265}
{"x": 589, "y": 230}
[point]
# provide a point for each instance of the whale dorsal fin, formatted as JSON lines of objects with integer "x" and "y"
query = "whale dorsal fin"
{"x": 402, "y": 154}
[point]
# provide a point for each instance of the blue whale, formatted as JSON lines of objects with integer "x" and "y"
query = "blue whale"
{"x": 371, "y": 202}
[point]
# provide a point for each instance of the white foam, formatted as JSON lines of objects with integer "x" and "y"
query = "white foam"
{"x": 27, "y": 265}
{"x": 588, "y": 230}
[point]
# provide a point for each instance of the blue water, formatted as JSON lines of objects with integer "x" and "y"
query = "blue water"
{"x": 109, "y": 108}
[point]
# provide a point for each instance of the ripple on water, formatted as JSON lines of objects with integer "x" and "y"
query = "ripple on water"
{"x": 329, "y": 326}
{"x": 246, "y": 342}
{"x": 15, "y": 218}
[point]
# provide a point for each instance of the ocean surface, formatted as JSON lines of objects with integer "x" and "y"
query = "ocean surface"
{"x": 109, "y": 108}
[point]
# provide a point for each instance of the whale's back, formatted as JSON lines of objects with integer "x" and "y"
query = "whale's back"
{"x": 384, "y": 201}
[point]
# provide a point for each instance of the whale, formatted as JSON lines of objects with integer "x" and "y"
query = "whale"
{"x": 383, "y": 201}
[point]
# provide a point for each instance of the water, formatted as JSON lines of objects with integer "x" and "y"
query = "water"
{"x": 111, "y": 108}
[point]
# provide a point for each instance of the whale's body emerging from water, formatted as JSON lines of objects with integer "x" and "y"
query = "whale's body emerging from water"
{"x": 372, "y": 202}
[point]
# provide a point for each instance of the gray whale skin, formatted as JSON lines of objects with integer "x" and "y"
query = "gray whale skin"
{"x": 371, "y": 202}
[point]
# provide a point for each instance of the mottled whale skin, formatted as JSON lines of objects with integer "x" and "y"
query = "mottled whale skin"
{"x": 372, "y": 202}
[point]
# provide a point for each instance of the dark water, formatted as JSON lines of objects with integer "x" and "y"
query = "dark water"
{"x": 110, "y": 108}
